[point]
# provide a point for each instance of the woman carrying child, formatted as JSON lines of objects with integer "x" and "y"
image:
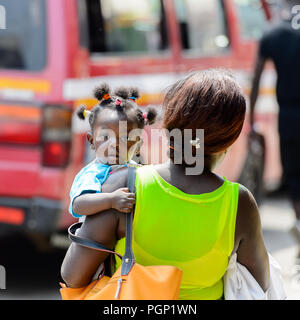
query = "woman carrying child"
{"x": 194, "y": 222}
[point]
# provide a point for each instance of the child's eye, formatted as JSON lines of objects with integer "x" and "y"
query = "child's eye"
{"x": 104, "y": 137}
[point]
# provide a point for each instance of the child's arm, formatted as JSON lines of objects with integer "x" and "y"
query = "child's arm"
{"x": 91, "y": 203}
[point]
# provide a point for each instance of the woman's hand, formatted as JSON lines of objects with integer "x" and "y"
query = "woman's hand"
{"x": 123, "y": 200}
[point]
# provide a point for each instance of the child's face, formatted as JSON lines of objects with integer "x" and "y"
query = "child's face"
{"x": 110, "y": 138}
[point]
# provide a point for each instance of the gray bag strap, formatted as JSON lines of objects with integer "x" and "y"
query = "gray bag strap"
{"x": 128, "y": 259}
{"x": 87, "y": 242}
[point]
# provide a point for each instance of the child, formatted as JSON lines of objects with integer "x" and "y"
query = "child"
{"x": 107, "y": 140}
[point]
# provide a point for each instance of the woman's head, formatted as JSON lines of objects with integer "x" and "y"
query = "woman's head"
{"x": 111, "y": 122}
{"x": 210, "y": 100}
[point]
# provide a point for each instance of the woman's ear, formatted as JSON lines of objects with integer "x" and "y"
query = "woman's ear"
{"x": 90, "y": 139}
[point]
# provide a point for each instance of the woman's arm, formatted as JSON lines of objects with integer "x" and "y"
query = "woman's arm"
{"x": 250, "y": 247}
{"x": 259, "y": 67}
{"x": 80, "y": 264}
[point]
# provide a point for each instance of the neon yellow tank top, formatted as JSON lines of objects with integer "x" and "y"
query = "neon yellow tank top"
{"x": 192, "y": 232}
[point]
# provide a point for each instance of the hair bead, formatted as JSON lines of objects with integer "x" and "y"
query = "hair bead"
{"x": 106, "y": 96}
{"x": 84, "y": 113}
{"x": 119, "y": 101}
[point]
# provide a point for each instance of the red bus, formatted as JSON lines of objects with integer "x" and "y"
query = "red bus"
{"x": 54, "y": 52}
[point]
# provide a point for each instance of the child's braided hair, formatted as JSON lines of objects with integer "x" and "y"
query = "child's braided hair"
{"x": 122, "y": 100}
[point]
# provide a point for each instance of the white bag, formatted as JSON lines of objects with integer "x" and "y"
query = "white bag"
{"x": 239, "y": 284}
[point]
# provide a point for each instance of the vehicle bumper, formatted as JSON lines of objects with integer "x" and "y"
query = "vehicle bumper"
{"x": 38, "y": 215}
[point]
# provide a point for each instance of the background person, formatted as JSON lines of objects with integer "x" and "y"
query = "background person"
{"x": 281, "y": 45}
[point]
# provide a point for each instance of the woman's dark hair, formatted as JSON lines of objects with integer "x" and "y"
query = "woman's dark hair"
{"x": 123, "y": 100}
{"x": 210, "y": 100}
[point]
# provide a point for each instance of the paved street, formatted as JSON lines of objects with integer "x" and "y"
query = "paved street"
{"x": 32, "y": 275}
{"x": 277, "y": 218}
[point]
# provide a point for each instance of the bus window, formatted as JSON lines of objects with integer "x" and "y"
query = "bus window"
{"x": 23, "y": 41}
{"x": 202, "y": 26}
{"x": 252, "y": 19}
{"x": 123, "y": 27}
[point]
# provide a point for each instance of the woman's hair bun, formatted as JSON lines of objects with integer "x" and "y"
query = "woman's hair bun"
{"x": 151, "y": 115}
{"x": 101, "y": 91}
{"x": 122, "y": 92}
{"x": 80, "y": 112}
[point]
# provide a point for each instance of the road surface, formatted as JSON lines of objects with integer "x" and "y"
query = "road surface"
{"x": 33, "y": 275}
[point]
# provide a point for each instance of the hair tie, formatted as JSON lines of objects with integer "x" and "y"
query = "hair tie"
{"x": 106, "y": 96}
{"x": 86, "y": 113}
{"x": 145, "y": 118}
{"x": 118, "y": 102}
{"x": 132, "y": 98}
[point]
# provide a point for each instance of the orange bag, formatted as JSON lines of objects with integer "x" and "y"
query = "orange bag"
{"x": 131, "y": 281}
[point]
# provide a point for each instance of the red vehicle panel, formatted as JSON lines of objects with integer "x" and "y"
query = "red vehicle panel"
{"x": 41, "y": 146}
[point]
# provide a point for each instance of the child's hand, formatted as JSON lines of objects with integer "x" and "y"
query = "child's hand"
{"x": 123, "y": 200}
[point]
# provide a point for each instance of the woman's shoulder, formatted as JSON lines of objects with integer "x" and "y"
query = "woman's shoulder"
{"x": 144, "y": 171}
{"x": 246, "y": 197}
{"x": 150, "y": 174}
{"x": 116, "y": 180}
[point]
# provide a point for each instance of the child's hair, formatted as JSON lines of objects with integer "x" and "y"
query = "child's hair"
{"x": 210, "y": 100}
{"x": 123, "y": 100}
